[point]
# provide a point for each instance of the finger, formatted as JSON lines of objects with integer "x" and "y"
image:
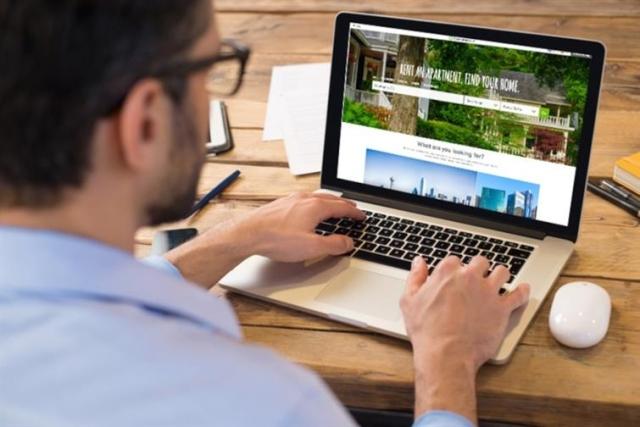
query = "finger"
{"x": 327, "y": 196}
{"x": 338, "y": 209}
{"x": 335, "y": 244}
{"x": 519, "y": 296}
{"x": 448, "y": 265}
{"x": 499, "y": 277}
{"x": 417, "y": 276}
{"x": 479, "y": 265}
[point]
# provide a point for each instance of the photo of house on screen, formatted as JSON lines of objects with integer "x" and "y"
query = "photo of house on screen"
{"x": 493, "y": 98}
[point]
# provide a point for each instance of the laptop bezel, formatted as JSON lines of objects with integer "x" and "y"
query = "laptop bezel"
{"x": 386, "y": 197}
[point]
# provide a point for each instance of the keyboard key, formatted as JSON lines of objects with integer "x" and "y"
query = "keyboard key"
{"x": 373, "y": 229}
{"x": 450, "y": 231}
{"x": 501, "y": 259}
{"x": 398, "y": 226}
{"x": 379, "y": 215}
{"x": 398, "y": 253}
{"x": 326, "y": 227}
{"x": 410, "y": 247}
{"x": 500, "y": 249}
{"x": 511, "y": 244}
{"x": 383, "y": 249}
{"x": 435, "y": 227}
{"x": 485, "y": 246}
{"x": 518, "y": 261}
{"x": 441, "y": 236}
{"x": 359, "y": 226}
{"x": 372, "y": 221}
{"x": 527, "y": 248}
{"x": 409, "y": 256}
{"x": 407, "y": 221}
{"x": 488, "y": 255}
{"x": 515, "y": 269}
{"x": 368, "y": 246}
{"x": 386, "y": 224}
{"x": 467, "y": 259}
{"x": 366, "y": 212}
{"x": 427, "y": 233}
{"x": 355, "y": 234}
{"x": 396, "y": 243}
{"x": 347, "y": 223}
{"x": 400, "y": 235}
{"x": 481, "y": 238}
{"x": 496, "y": 241}
{"x": 471, "y": 251}
{"x": 421, "y": 224}
{"x": 518, "y": 253}
{"x": 456, "y": 248}
{"x": 393, "y": 218}
{"x": 342, "y": 230}
{"x": 413, "y": 230}
{"x": 368, "y": 237}
{"x": 464, "y": 234}
{"x": 382, "y": 240}
{"x": 357, "y": 243}
{"x": 439, "y": 253}
{"x": 428, "y": 242}
{"x": 413, "y": 239}
{"x": 442, "y": 245}
{"x": 424, "y": 250}
{"x": 456, "y": 239}
{"x": 383, "y": 259}
{"x": 386, "y": 232}
{"x": 471, "y": 243}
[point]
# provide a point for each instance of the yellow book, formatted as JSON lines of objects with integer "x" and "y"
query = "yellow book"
{"x": 627, "y": 172}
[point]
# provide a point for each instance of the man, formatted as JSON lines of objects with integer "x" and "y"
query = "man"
{"x": 101, "y": 127}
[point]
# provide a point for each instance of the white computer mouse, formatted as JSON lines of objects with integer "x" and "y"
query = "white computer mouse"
{"x": 580, "y": 314}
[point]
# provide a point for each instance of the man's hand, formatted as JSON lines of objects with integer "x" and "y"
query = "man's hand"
{"x": 456, "y": 320}
{"x": 282, "y": 230}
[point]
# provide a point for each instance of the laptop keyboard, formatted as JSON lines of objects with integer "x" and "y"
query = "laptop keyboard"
{"x": 395, "y": 241}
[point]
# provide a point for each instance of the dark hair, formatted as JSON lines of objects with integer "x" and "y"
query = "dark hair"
{"x": 65, "y": 63}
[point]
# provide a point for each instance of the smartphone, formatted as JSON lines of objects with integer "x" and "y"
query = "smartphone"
{"x": 165, "y": 240}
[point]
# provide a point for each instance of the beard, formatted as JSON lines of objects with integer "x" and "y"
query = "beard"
{"x": 178, "y": 190}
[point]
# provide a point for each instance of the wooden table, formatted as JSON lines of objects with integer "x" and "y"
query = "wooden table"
{"x": 545, "y": 383}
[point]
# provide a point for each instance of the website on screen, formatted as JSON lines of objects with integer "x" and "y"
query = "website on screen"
{"x": 483, "y": 124}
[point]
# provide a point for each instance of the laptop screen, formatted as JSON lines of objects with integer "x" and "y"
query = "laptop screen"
{"x": 484, "y": 124}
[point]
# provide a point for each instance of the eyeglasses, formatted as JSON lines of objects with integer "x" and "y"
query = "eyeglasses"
{"x": 224, "y": 79}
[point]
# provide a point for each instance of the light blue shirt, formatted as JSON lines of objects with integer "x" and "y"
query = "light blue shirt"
{"x": 89, "y": 336}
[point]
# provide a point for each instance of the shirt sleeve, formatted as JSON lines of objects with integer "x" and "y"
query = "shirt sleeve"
{"x": 442, "y": 419}
{"x": 160, "y": 262}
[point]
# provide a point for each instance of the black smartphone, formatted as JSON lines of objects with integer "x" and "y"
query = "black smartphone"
{"x": 165, "y": 240}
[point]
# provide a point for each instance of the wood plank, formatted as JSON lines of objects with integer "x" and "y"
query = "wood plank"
{"x": 375, "y": 371}
{"x": 409, "y": 7}
{"x": 312, "y": 33}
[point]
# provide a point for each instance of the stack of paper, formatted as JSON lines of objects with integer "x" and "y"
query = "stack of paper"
{"x": 297, "y": 112}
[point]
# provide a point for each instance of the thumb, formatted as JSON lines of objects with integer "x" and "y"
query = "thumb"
{"x": 417, "y": 276}
{"x": 519, "y": 296}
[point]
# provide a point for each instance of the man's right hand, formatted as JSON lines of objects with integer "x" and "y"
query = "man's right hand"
{"x": 456, "y": 320}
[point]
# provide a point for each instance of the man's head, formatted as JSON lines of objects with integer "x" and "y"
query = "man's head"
{"x": 88, "y": 101}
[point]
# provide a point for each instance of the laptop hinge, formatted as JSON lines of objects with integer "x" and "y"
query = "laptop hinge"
{"x": 440, "y": 213}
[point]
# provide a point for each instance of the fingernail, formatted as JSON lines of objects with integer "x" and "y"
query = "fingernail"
{"x": 416, "y": 261}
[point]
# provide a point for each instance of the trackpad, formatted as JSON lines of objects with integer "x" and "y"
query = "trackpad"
{"x": 366, "y": 292}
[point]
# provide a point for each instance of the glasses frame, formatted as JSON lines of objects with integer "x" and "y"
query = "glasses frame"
{"x": 239, "y": 52}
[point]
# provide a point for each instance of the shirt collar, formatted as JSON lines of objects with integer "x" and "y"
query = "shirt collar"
{"x": 52, "y": 263}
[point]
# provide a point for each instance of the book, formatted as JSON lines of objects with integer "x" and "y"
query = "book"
{"x": 626, "y": 172}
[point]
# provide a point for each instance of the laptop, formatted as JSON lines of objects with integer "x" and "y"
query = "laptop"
{"x": 454, "y": 140}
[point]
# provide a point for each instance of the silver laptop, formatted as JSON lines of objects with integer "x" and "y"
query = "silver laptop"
{"x": 454, "y": 140}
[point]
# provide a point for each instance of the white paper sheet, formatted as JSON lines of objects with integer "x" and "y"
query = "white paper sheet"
{"x": 305, "y": 114}
{"x": 291, "y": 79}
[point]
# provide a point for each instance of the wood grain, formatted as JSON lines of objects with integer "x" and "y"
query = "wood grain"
{"x": 404, "y": 7}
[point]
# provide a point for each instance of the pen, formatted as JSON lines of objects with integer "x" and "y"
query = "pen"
{"x": 611, "y": 197}
{"x": 622, "y": 193}
{"x": 215, "y": 191}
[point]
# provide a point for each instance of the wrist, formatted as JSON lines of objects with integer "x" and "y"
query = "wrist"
{"x": 445, "y": 376}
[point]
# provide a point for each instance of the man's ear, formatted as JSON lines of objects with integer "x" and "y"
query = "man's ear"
{"x": 144, "y": 123}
